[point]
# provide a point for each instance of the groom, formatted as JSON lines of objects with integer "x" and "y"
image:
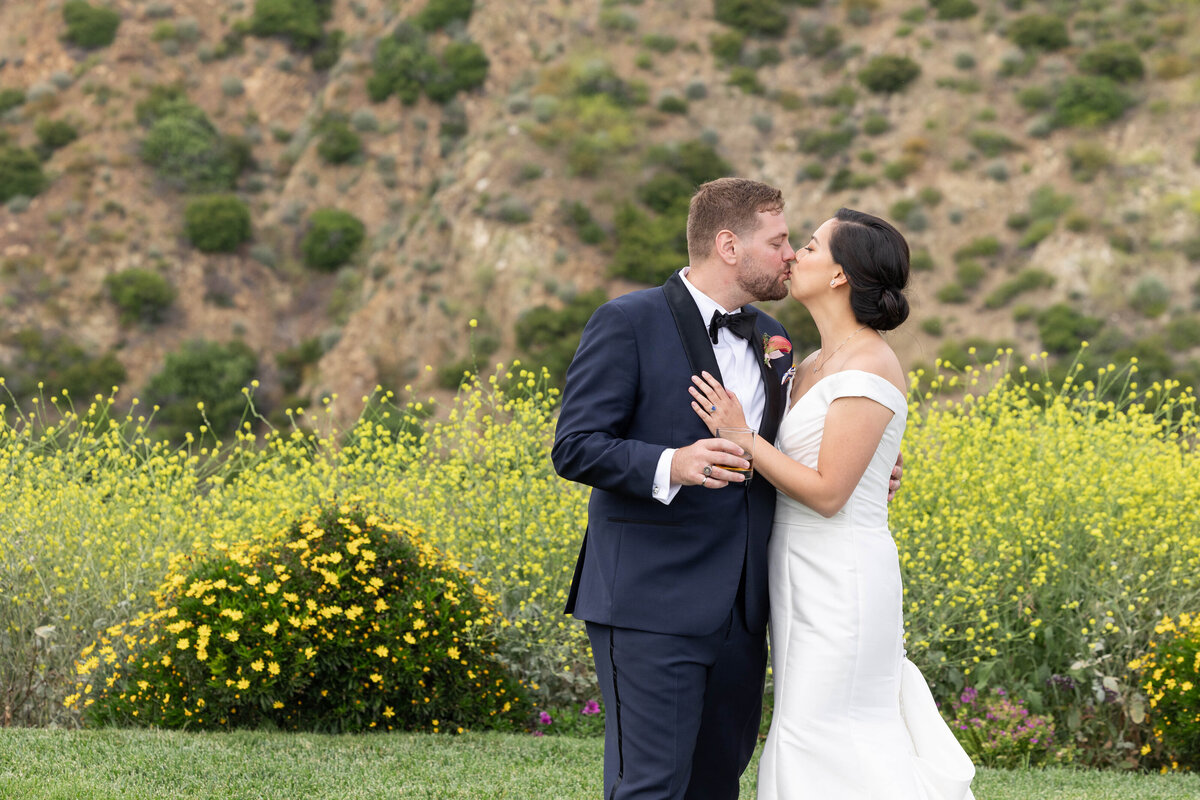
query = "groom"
{"x": 672, "y": 576}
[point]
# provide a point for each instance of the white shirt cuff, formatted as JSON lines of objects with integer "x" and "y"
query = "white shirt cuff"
{"x": 663, "y": 490}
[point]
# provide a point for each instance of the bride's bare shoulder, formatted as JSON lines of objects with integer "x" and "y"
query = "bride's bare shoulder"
{"x": 880, "y": 360}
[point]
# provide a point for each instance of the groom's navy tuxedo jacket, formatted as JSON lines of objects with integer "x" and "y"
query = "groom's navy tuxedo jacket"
{"x": 644, "y": 565}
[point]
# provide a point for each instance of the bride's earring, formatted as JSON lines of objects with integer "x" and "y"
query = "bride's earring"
{"x": 833, "y": 284}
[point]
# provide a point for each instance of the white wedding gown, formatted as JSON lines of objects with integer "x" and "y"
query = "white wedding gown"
{"x": 853, "y": 719}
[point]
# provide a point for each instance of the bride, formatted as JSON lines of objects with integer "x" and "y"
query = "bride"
{"x": 853, "y": 717}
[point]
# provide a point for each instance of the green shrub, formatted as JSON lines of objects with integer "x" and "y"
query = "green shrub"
{"x": 1087, "y": 159}
{"x": 338, "y": 143}
{"x": 299, "y": 21}
{"x": 55, "y": 133}
{"x": 437, "y": 14}
{"x": 921, "y": 261}
{"x": 56, "y": 362}
{"x": 613, "y": 19}
{"x": 1191, "y": 248}
{"x": 141, "y": 295}
{"x": 1062, "y": 328}
{"x": 201, "y": 381}
{"x": 1150, "y": 296}
{"x": 746, "y": 79}
{"x": 550, "y": 336}
{"x": 1036, "y": 232}
{"x": 332, "y": 238}
{"x": 952, "y": 293}
{"x": 932, "y": 326}
{"x": 1183, "y": 333}
{"x": 346, "y": 622}
{"x": 1027, "y": 280}
{"x": 875, "y": 123}
{"x": 753, "y": 17}
{"x": 992, "y": 143}
{"x": 980, "y": 247}
{"x": 888, "y": 74}
{"x": 580, "y": 218}
{"x": 664, "y": 190}
{"x": 660, "y": 43}
{"x": 402, "y": 64}
{"x": 1090, "y": 100}
{"x": 1039, "y": 32}
{"x": 695, "y": 160}
{"x": 970, "y": 273}
{"x": 1035, "y": 98}
{"x": 954, "y": 9}
{"x": 190, "y": 154}
{"x": 846, "y": 178}
{"x": 1117, "y": 60}
{"x": 463, "y": 66}
{"x": 825, "y": 143}
{"x": 328, "y": 50}
{"x": 10, "y": 99}
{"x": 1044, "y": 202}
{"x": 930, "y": 196}
{"x": 726, "y": 47}
{"x": 1170, "y": 677}
{"x": 1018, "y": 220}
{"x": 217, "y": 223}
{"x": 671, "y": 103}
{"x": 513, "y": 211}
{"x": 88, "y": 26}
{"x": 649, "y": 248}
{"x": 20, "y": 173}
{"x": 164, "y": 100}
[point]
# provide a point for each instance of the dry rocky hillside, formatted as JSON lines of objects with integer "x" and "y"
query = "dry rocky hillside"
{"x": 1043, "y": 157}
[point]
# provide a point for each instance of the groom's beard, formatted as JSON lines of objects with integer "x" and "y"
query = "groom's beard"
{"x": 759, "y": 282}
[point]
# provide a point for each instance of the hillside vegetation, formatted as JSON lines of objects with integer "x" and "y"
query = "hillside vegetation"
{"x": 322, "y": 195}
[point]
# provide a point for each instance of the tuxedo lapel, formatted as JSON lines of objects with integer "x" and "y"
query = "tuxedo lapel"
{"x": 774, "y": 409}
{"x": 693, "y": 331}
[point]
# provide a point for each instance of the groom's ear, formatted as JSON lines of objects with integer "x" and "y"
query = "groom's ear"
{"x": 728, "y": 247}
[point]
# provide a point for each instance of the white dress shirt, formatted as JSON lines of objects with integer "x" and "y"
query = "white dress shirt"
{"x": 739, "y": 370}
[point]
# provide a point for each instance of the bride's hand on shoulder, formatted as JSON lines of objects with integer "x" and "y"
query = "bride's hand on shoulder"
{"x": 716, "y": 406}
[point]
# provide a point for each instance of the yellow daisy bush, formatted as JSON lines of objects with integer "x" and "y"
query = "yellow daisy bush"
{"x": 1170, "y": 676}
{"x": 322, "y": 661}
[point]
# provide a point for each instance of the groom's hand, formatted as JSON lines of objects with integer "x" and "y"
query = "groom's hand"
{"x": 689, "y": 463}
{"x": 897, "y": 471}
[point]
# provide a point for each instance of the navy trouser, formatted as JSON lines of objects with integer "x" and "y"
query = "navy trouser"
{"x": 682, "y": 712}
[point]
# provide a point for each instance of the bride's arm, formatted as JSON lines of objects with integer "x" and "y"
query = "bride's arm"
{"x": 854, "y": 426}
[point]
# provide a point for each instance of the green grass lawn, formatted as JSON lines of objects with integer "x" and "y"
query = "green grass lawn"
{"x": 154, "y": 765}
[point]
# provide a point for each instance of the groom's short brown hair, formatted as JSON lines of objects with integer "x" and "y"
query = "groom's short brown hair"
{"x": 727, "y": 204}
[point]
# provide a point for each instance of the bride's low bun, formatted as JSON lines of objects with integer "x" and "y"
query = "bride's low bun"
{"x": 874, "y": 258}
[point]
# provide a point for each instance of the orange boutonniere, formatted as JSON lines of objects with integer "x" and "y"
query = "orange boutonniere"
{"x": 775, "y": 347}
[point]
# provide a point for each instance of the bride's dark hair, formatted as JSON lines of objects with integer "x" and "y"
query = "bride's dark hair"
{"x": 874, "y": 257}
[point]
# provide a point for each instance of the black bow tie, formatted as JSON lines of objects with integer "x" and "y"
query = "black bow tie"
{"x": 739, "y": 324}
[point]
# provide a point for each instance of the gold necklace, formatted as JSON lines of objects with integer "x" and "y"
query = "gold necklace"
{"x": 821, "y": 365}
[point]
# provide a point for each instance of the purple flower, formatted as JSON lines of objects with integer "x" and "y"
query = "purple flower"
{"x": 590, "y": 707}
{"x": 538, "y": 733}
{"x": 545, "y": 718}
